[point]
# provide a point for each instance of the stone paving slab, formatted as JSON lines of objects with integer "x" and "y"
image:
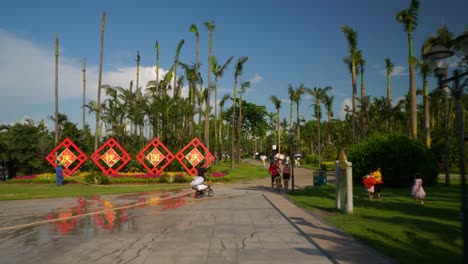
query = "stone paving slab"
{"x": 237, "y": 227}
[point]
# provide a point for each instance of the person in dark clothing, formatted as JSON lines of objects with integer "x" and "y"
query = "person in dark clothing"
{"x": 201, "y": 171}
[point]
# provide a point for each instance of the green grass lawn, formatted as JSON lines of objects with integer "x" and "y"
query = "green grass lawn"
{"x": 241, "y": 172}
{"x": 396, "y": 225}
{"x": 33, "y": 191}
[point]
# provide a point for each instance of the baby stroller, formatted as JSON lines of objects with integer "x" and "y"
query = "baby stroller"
{"x": 198, "y": 184}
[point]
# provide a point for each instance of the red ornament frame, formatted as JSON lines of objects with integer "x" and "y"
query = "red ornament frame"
{"x": 67, "y": 143}
{"x": 156, "y": 144}
{"x": 195, "y": 143}
{"x": 111, "y": 143}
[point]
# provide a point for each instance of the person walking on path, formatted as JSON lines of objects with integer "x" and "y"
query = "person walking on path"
{"x": 59, "y": 175}
{"x": 274, "y": 171}
{"x": 378, "y": 182}
{"x": 286, "y": 175}
{"x": 418, "y": 190}
{"x": 369, "y": 181}
{"x": 263, "y": 158}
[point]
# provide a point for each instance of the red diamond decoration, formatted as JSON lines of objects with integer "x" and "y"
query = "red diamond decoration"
{"x": 70, "y": 149}
{"x": 111, "y": 157}
{"x": 66, "y": 158}
{"x": 194, "y": 157}
{"x": 189, "y": 155}
{"x": 155, "y": 157}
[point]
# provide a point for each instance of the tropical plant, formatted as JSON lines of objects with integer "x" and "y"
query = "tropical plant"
{"x": 277, "y": 104}
{"x": 409, "y": 18}
{"x": 210, "y": 26}
{"x": 389, "y": 69}
{"x": 351, "y": 38}
{"x": 218, "y": 72}
{"x": 98, "y": 104}
{"x": 237, "y": 72}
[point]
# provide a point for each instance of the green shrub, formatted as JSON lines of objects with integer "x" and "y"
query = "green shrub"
{"x": 166, "y": 178}
{"x": 330, "y": 152}
{"x": 97, "y": 178}
{"x": 328, "y": 165}
{"x": 310, "y": 159}
{"x": 398, "y": 156}
{"x": 180, "y": 178}
{"x": 127, "y": 180}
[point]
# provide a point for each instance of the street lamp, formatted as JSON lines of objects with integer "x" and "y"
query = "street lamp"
{"x": 435, "y": 57}
{"x": 292, "y": 132}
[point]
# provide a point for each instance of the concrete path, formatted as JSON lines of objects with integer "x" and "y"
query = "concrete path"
{"x": 243, "y": 223}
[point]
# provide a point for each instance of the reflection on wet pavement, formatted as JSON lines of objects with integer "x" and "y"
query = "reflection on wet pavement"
{"x": 90, "y": 214}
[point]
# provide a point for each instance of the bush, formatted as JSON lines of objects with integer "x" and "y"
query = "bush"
{"x": 310, "y": 159}
{"x": 166, "y": 178}
{"x": 180, "y": 178}
{"x": 328, "y": 165}
{"x": 97, "y": 178}
{"x": 398, "y": 156}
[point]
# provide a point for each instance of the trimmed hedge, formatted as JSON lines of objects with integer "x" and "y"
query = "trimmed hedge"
{"x": 398, "y": 156}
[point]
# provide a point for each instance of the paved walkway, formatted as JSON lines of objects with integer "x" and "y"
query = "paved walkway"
{"x": 242, "y": 223}
{"x": 337, "y": 245}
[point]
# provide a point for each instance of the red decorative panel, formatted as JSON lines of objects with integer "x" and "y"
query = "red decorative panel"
{"x": 155, "y": 157}
{"x": 190, "y": 156}
{"x": 108, "y": 159}
{"x": 69, "y": 155}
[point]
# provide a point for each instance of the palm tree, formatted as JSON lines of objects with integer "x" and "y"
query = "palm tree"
{"x": 351, "y": 38}
{"x": 329, "y": 106}
{"x": 210, "y": 26}
{"x": 424, "y": 71}
{"x": 319, "y": 94}
{"x": 221, "y": 106}
{"x": 194, "y": 29}
{"x": 389, "y": 69}
{"x": 297, "y": 99}
{"x": 443, "y": 38}
{"x": 156, "y": 46}
{"x": 277, "y": 103}
{"x": 98, "y": 104}
{"x": 176, "y": 64}
{"x": 56, "y": 88}
{"x": 292, "y": 94}
{"x": 84, "y": 92}
{"x": 218, "y": 72}
{"x": 243, "y": 87}
{"x": 237, "y": 72}
{"x": 361, "y": 62}
{"x": 409, "y": 18}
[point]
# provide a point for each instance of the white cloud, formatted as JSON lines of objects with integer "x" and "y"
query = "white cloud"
{"x": 256, "y": 79}
{"x": 27, "y": 76}
{"x": 397, "y": 71}
{"x": 346, "y": 102}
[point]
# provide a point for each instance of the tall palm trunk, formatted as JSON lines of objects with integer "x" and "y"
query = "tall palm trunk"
{"x": 193, "y": 28}
{"x": 136, "y": 89}
{"x": 353, "y": 79}
{"x": 233, "y": 126}
{"x": 427, "y": 125}
{"x": 210, "y": 26}
{"x": 98, "y": 112}
{"x": 84, "y": 92}
{"x": 56, "y": 89}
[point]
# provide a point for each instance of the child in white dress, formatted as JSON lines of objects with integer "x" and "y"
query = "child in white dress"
{"x": 418, "y": 190}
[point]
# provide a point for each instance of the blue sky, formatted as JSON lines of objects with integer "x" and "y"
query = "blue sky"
{"x": 287, "y": 42}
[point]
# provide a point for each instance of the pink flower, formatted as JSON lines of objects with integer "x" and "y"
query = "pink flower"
{"x": 25, "y": 177}
{"x": 218, "y": 174}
